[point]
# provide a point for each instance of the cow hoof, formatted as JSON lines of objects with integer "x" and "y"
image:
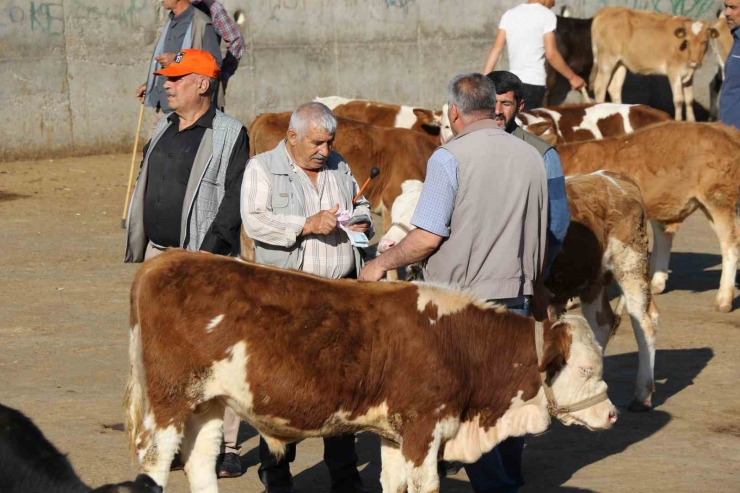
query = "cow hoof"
{"x": 723, "y": 307}
{"x": 637, "y": 406}
{"x": 657, "y": 287}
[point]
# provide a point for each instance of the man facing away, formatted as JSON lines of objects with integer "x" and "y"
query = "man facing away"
{"x": 291, "y": 198}
{"x": 528, "y": 31}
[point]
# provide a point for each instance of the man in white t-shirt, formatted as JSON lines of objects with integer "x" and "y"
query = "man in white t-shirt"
{"x": 529, "y": 33}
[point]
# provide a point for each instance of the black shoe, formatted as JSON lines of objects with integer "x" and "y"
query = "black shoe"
{"x": 352, "y": 484}
{"x": 448, "y": 468}
{"x": 176, "y": 464}
{"x": 229, "y": 466}
{"x": 277, "y": 484}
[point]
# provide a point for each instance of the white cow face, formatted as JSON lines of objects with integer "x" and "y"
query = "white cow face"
{"x": 445, "y": 133}
{"x": 401, "y": 213}
{"x": 581, "y": 378}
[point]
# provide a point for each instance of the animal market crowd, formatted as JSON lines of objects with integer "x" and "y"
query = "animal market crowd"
{"x": 492, "y": 216}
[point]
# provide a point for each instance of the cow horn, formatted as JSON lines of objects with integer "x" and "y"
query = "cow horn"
{"x": 680, "y": 32}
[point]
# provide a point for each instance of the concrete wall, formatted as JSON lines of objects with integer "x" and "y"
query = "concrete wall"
{"x": 70, "y": 67}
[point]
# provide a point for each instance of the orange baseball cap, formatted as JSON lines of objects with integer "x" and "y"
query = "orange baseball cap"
{"x": 190, "y": 61}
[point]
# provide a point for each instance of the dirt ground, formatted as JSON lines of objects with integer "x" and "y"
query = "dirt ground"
{"x": 64, "y": 336}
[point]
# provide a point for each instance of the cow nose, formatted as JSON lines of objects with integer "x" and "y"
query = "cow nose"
{"x": 613, "y": 415}
{"x": 385, "y": 245}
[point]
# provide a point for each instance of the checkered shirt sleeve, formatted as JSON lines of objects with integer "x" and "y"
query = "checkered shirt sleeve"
{"x": 434, "y": 211}
{"x": 225, "y": 27}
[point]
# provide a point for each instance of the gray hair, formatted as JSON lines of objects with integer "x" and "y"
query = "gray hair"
{"x": 472, "y": 93}
{"x": 313, "y": 114}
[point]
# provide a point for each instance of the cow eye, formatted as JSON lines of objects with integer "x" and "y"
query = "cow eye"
{"x": 585, "y": 371}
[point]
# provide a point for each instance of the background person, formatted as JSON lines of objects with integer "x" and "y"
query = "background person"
{"x": 729, "y": 100}
{"x": 528, "y": 31}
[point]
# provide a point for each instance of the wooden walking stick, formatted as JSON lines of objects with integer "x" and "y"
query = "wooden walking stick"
{"x": 131, "y": 170}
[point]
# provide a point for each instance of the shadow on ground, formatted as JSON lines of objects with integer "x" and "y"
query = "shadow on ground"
{"x": 551, "y": 459}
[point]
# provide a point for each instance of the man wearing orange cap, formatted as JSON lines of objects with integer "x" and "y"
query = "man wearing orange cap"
{"x": 188, "y": 191}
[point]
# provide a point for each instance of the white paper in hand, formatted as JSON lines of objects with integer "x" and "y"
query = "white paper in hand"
{"x": 357, "y": 239}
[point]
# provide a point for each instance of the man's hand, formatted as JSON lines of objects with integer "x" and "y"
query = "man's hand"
{"x": 165, "y": 59}
{"x": 359, "y": 227}
{"x": 322, "y": 223}
{"x": 371, "y": 272}
{"x": 576, "y": 82}
{"x": 140, "y": 92}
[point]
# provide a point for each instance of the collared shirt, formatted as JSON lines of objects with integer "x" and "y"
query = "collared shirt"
{"x": 331, "y": 255}
{"x": 729, "y": 99}
{"x": 229, "y": 32}
{"x": 173, "y": 43}
{"x": 170, "y": 164}
{"x": 437, "y": 200}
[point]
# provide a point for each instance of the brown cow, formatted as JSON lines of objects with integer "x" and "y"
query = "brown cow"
{"x": 647, "y": 43}
{"x": 679, "y": 167}
{"x": 580, "y": 122}
{"x": 607, "y": 238}
{"x": 386, "y": 115}
{"x": 399, "y": 153}
{"x": 430, "y": 370}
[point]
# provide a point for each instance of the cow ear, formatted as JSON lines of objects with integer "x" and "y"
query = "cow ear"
{"x": 680, "y": 32}
{"x": 713, "y": 33}
{"x": 426, "y": 117}
{"x": 538, "y": 128}
{"x": 557, "y": 347}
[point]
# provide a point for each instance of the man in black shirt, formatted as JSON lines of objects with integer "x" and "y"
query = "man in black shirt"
{"x": 187, "y": 194}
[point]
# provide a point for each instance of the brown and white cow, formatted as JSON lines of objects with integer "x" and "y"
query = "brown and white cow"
{"x": 431, "y": 370}
{"x": 386, "y": 115}
{"x": 580, "y": 122}
{"x": 647, "y": 43}
{"x": 679, "y": 167}
{"x": 399, "y": 153}
{"x": 607, "y": 239}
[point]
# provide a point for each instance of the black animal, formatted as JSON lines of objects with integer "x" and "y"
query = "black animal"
{"x": 29, "y": 463}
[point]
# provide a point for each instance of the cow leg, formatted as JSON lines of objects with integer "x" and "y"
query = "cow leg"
{"x": 604, "y": 72}
{"x": 201, "y": 443}
{"x": 422, "y": 478}
{"x": 727, "y": 228}
{"x": 688, "y": 96}
{"x": 677, "y": 88}
{"x": 660, "y": 257}
{"x": 630, "y": 272}
{"x": 157, "y": 447}
{"x": 393, "y": 469}
{"x": 598, "y": 313}
{"x": 616, "y": 84}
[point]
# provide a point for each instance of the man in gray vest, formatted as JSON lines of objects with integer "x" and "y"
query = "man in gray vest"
{"x": 187, "y": 27}
{"x": 297, "y": 206}
{"x": 480, "y": 224}
{"x": 187, "y": 193}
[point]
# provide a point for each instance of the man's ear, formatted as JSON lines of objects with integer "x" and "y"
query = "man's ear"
{"x": 520, "y": 107}
{"x": 204, "y": 85}
{"x": 292, "y": 137}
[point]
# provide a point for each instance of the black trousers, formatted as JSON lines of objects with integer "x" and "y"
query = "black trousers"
{"x": 533, "y": 96}
{"x": 339, "y": 454}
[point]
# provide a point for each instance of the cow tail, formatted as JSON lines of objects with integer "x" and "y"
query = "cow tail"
{"x": 134, "y": 400}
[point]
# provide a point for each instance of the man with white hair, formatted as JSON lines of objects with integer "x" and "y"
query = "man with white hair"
{"x": 297, "y": 206}
{"x": 480, "y": 224}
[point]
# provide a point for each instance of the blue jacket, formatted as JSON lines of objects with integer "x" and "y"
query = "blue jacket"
{"x": 729, "y": 99}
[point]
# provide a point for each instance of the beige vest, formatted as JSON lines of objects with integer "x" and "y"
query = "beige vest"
{"x": 496, "y": 246}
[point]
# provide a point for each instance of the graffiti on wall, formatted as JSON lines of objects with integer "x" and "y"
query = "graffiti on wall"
{"x": 47, "y": 18}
